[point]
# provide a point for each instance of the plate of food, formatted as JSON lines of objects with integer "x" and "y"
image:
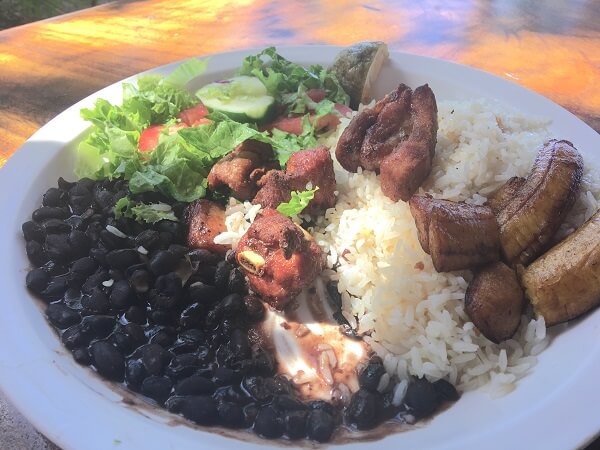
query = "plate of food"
{"x": 305, "y": 245}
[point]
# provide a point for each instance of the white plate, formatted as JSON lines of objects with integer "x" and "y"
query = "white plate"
{"x": 77, "y": 410}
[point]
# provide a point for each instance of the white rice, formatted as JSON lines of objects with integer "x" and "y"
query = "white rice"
{"x": 412, "y": 316}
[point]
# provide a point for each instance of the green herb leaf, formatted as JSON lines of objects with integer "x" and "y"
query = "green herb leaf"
{"x": 297, "y": 203}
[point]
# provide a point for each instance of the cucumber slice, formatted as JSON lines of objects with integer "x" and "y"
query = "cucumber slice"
{"x": 243, "y": 99}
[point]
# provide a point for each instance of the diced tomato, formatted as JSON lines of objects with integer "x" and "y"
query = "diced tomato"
{"x": 316, "y": 95}
{"x": 344, "y": 110}
{"x": 149, "y": 137}
{"x": 194, "y": 116}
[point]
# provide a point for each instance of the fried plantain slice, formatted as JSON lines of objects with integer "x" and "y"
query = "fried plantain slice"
{"x": 564, "y": 283}
{"x": 528, "y": 222}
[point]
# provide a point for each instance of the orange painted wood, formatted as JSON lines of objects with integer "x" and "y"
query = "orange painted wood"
{"x": 550, "y": 47}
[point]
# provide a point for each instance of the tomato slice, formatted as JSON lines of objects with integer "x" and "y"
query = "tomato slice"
{"x": 316, "y": 95}
{"x": 149, "y": 137}
{"x": 293, "y": 125}
{"x": 194, "y": 116}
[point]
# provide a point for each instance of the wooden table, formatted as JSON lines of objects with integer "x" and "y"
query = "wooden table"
{"x": 552, "y": 48}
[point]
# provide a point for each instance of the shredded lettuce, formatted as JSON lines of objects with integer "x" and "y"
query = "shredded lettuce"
{"x": 141, "y": 212}
{"x": 297, "y": 203}
{"x": 288, "y": 81}
{"x": 110, "y": 149}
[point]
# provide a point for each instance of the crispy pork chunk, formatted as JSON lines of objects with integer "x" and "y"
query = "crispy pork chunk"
{"x": 304, "y": 168}
{"x": 241, "y": 169}
{"x": 456, "y": 235}
{"x": 278, "y": 257}
{"x": 494, "y": 301}
{"x": 540, "y": 205}
{"x": 205, "y": 220}
{"x": 396, "y": 137}
{"x": 564, "y": 283}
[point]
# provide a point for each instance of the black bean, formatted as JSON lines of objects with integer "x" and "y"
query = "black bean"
{"x": 121, "y": 294}
{"x": 54, "y": 268}
{"x": 369, "y": 376}
{"x": 54, "y": 197}
{"x": 236, "y": 282}
{"x": 225, "y": 376}
{"x": 262, "y": 362}
{"x": 80, "y": 198}
{"x": 86, "y": 183}
{"x": 255, "y": 309}
{"x": 168, "y": 226}
{"x": 116, "y": 275}
{"x": 84, "y": 266}
{"x": 104, "y": 198}
{"x": 98, "y": 326}
{"x": 35, "y": 253}
{"x": 136, "y": 332}
{"x": 295, "y": 424}
{"x": 191, "y": 316}
{"x": 112, "y": 241}
{"x": 231, "y": 415}
{"x": 123, "y": 342}
{"x": 49, "y": 212}
{"x": 147, "y": 239}
{"x": 64, "y": 185}
{"x": 421, "y": 398}
{"x": 136, "y": 314}
{"x": 222, "y": 274}
{"x": 178, "y": 250}
{"x": 99, "y": 255}
{"x": 57, "y": 247}
{"x": 56, "y": 288}
{"x": 319, "y": 426}
{"x": 250, "y": 413}
{"x": 232, "y": 394}
{"x": 203, "y": 257}
{"x": 203, "y": 293}
{"x": 95, "y": 280}
{"x": 157, "y": 388}
{"x": 56, "y": 226}
{"x": 322, "y": 405}
{"x": 363, "y": 410}
{"x": 164, "y": 240}
{"x": 82, "y": 356}
{"x": 200, "y": 409}
{"x": 268, "y": 423}
{"x": 256, "y": 387}
{"x": 182, "y": 366}
{"x": 80, "y": 243}
{"x": 169, "y": 287}
{"x": 155, "y": 358}
{"x": 164, "y": 337}
{"x": 288, "y": 402}
{"x": 109, "y": 362}
{"x": 96, "y": 302}
{"x": 140, "y": 281}
{"x": 62, "y": 316}
{"x": 446, "y": 391}
{"x": 195, "y": 385}
{"x": 123, "y": 258}
{"x": 135, "y": 372}
{"x": 162, "y": 262}
{"x": 37, "y": 280}
{"x": 388, "y": 409}
{"x": 76, "y": 336}
{"x": 239, "y": 344}
{"x": 33, "y": 231}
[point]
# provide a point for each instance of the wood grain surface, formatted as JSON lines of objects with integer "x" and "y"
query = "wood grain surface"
{"x": 550, "y": 47}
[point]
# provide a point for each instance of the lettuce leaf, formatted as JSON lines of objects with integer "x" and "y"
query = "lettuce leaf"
{"x": 142, "y": 212}
{"x": 297, "y": 203}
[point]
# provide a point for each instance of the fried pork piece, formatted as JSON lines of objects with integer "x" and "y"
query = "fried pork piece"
{"x": 530, "y": 219}
{"x": 278, "y": 257}
{"x": 306, "y": 167}
{"x": 456, "y": 235}
{"x": 241, "y": 169}
{"x": 494, "y": 301}
{"x": 503, "y": 196}
{"x": 396, "y": 137}
{"x": 564, "y": 283}
{"x": 205, "y": 220}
